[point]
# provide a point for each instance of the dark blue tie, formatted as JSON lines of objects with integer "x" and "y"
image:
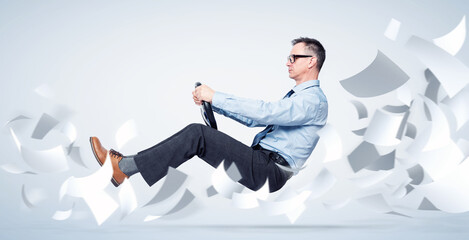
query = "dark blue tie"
{"x": 261, "y": 135}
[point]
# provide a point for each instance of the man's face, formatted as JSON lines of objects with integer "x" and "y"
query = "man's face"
{"x": 298, "y": 68}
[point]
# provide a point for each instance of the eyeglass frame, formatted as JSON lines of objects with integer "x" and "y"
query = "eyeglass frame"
{"x": 295, "y": 56}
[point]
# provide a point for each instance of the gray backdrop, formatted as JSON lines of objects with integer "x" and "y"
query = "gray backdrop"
{"x": 99, "y": 64}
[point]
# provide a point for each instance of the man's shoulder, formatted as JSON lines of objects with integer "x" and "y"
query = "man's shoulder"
{"x": 313, "y": 91}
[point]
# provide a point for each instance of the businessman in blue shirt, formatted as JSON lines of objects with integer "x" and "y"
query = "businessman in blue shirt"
{"x": 277, "y": 152}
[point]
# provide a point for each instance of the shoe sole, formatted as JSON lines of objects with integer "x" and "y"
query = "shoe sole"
{"x": 113, "y": 181}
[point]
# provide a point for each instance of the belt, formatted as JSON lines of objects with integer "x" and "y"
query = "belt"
{"x": 277, "y": 158}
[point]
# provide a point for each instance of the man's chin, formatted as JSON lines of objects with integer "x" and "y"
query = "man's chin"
{"x": 292, "y": 76}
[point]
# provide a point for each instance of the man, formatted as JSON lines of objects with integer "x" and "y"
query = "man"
{"x": 276, "y": 152}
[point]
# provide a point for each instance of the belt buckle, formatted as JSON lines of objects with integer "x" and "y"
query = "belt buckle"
{"x": 281, "y": 161}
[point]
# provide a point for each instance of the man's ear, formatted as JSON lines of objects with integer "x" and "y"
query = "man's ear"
{"x": 313, "y": 62}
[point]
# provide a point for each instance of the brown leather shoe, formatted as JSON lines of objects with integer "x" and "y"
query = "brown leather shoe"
{"x": 100, "y": 154}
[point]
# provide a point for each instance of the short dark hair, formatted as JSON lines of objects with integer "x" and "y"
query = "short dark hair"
{"x": 315, "y": 46}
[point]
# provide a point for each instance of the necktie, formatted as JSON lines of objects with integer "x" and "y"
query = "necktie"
{"x": 263, "y": 133}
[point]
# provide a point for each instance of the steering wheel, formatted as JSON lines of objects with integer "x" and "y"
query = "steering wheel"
{"x": 207, "y": 112}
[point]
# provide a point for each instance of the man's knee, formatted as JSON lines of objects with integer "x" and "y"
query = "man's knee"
{"x": 195, "y": 126}
{"x": 195, "y": 129}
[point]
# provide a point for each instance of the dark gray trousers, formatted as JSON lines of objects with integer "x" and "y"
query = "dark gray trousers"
{"x": 255, "y": 166}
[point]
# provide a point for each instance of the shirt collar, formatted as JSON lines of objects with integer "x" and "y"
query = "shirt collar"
{"x": 307, "y": 84}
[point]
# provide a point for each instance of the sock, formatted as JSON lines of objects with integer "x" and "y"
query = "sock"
{"x": 128, "y": 166}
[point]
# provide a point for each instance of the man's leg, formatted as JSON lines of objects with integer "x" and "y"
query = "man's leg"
{"x": 213, "y": 147}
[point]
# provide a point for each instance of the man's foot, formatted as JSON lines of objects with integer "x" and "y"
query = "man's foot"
{"x": 100, "y": 154}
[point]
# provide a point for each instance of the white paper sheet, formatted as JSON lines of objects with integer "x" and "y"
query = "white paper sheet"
{"x": 380, "y": 77}
{"x": 11, "y": 168}
{"x": 427, "y": 205}
{"x": 74, "y": 154}
{"x": 25, "y": 198}
{"x": 245, "y": 201}
{"x": 211, "y": 191}
{"x": 393, "y": 29}
{"x": 463, "y": 146}
{"x": 384, "y": 128}
{"x": 433, "y": 87}
{"x": 332, "y": 141}
{"x": 151, "y": 218}
{"x": 125, "y": 133}
{"x": 450, "y": 193}
{"x": 452, "y": 74}
{"x": 127, "y": 198}
{"x": 70, "y": 131}
{"x": 45, "y": 161}
{"x": 51, "y": 160}
{"x": 459, "y": 107}
{"x": 361, "y": 109}
{"x": 416, "y": 173}
{"x": 294, "y": 214}
{"x": 45, "y": 124}
{"x": 362, "y": 156}
{"x": 454, "y": 40}
{"x": 95, "y": 182}
{"x": 438, "y": 163}
{"x": 101, "y": 205}
{"x": 283, "y": 207}
{"x": 400, "y": 191}
{"x": 396, "y": 109}
{"x": 91, "y": 190}
{"x": 45, "y": 91}
{"x": 250, "y": 199}
{"x": 173, "y": 182}
{"x": 402, "y": 127}
{"x": 36, "y": 195}
{"x": 404, "y": 95}
{"x": 463, "y": 132}
{"x": 187, "y": 198}
{"x": 385, "y": 162}
{"x": 398, "y": 214}
{"x": 62, "y": 215}
{"x": 16, "y": 140}
{"x": 223, "y": 183}
{"x": 411, "y": 130}
{"x": 440, "y": 132}
{"x": 19, "y": 117}
{"x": 369, "y": 178}
{"x": 321, "y": 184}
{"x": 360, "y": 132}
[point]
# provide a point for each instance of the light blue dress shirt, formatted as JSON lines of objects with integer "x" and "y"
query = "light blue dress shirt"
{"x": 296, "y": 119}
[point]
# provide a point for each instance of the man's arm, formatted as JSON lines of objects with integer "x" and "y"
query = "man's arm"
{"x": 293, "y": 111}
{"x": 297, "y": 110}
{"x": 205, "y": 93}
{"x": 243, "y": 120}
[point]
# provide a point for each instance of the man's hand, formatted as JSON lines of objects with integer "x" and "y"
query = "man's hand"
{"x": 202, "y": 93}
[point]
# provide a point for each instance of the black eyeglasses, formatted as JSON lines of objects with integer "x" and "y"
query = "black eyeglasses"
{"x": 292, "y": 58}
